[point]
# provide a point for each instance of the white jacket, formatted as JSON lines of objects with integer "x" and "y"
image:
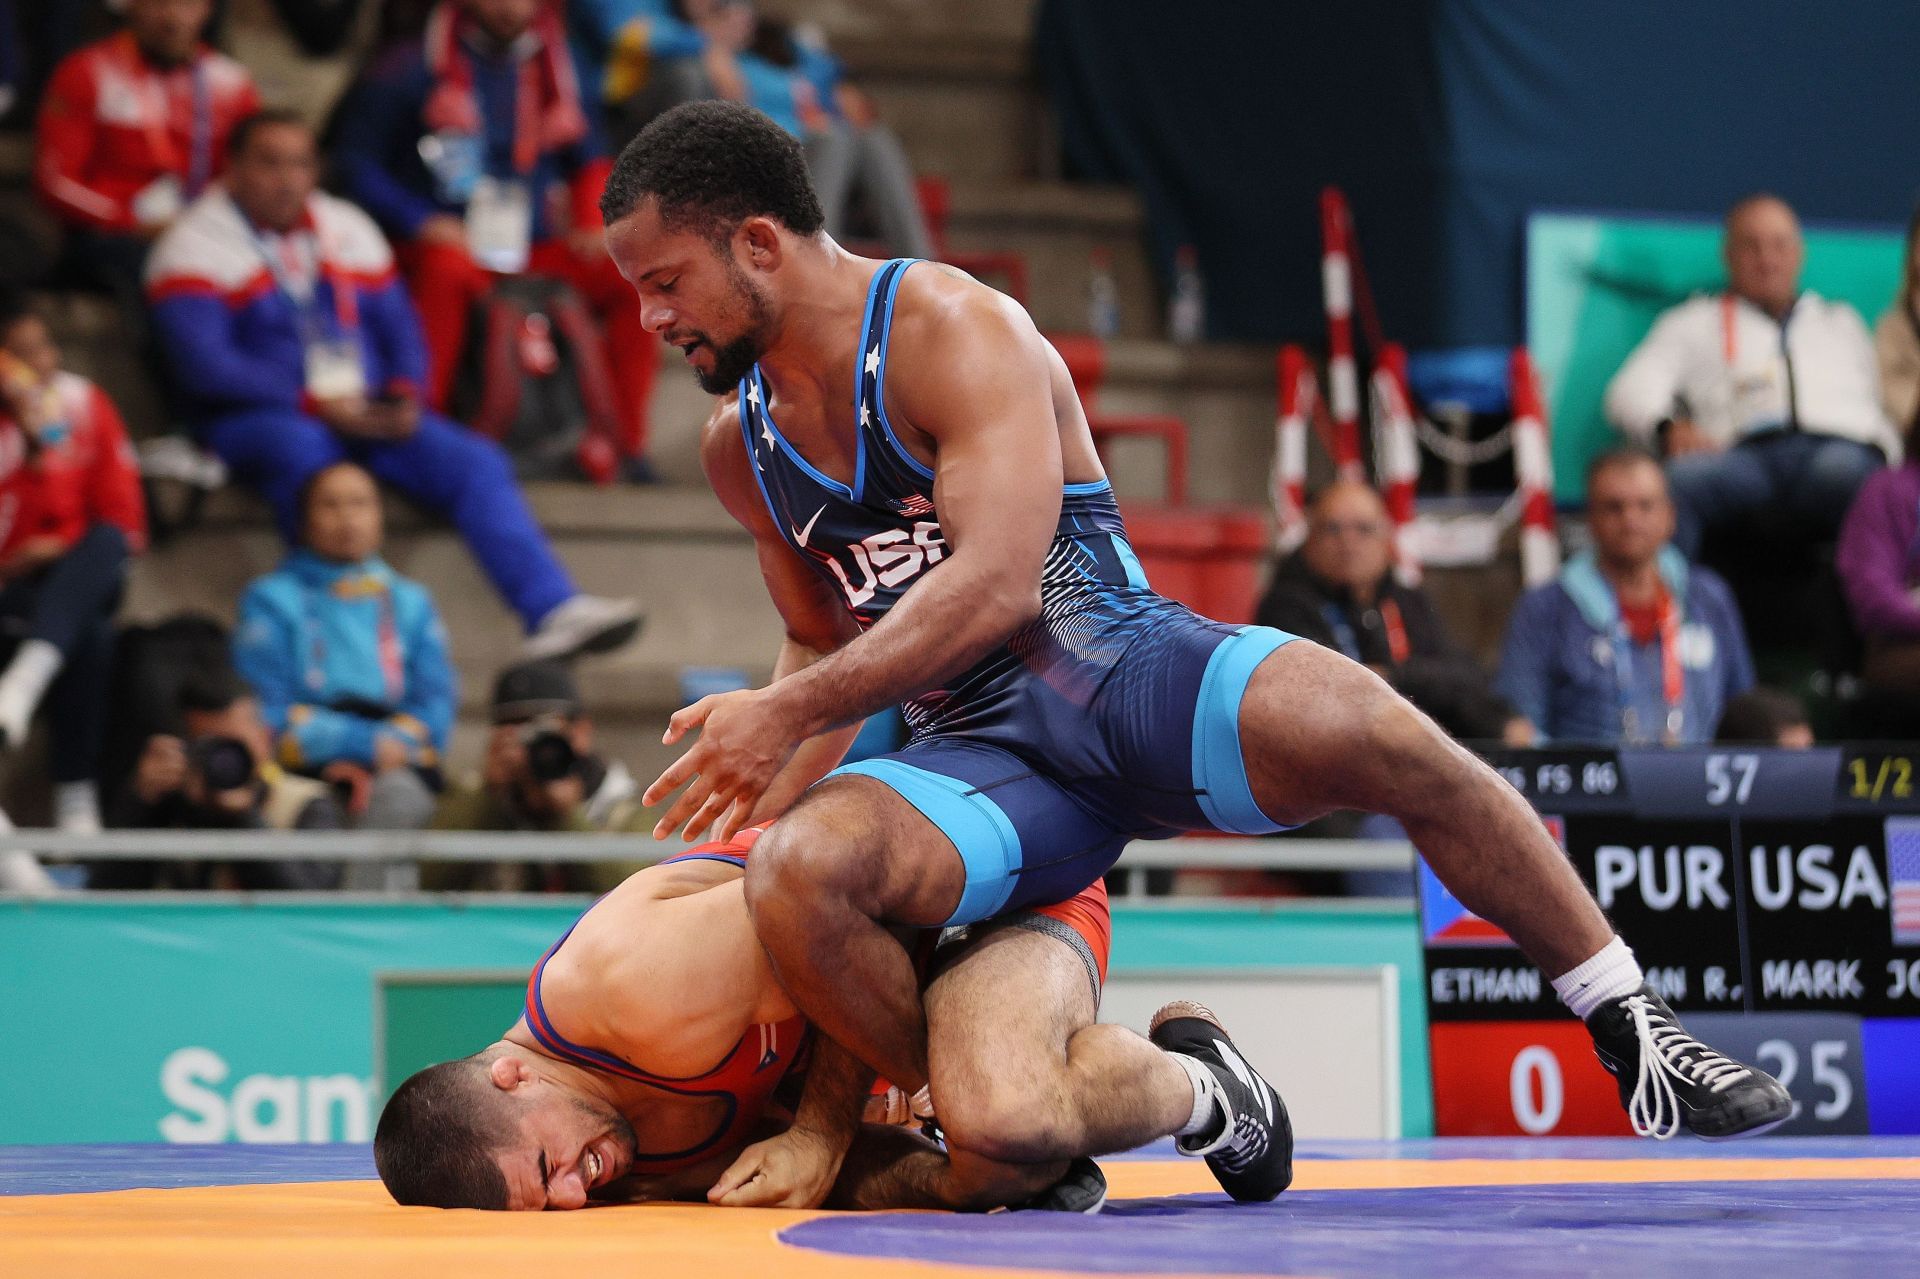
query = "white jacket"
{"x": 1723, "y": 359}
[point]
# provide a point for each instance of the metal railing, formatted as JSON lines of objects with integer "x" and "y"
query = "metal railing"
{"x": 400, "y": 852}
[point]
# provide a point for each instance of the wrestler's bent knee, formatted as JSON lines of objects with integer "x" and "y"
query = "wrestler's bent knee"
{"x": 1004, "y": 1123}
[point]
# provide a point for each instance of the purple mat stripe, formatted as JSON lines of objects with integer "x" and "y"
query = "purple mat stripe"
{"x": 1732, "y": 1230}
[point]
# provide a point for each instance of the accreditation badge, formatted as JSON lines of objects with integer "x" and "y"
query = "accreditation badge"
{"x": 500, "y": 224}
{"x": 334, "y": 371}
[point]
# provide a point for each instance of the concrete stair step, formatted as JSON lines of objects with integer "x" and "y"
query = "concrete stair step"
{"x": 1057, "y": 226}
{"x": 965, "y": 108}
{"x": 845, "y": 21}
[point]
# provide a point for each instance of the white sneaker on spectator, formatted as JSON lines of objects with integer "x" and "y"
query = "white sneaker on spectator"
{"x": 20, "y": 871}
{"x": 584, "y": 624}
{"x": 76, "y": 808}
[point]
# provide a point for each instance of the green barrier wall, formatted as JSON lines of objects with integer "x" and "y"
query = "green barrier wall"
{"x": 238, "y": 1020}
{"x": 1596, "y": 284}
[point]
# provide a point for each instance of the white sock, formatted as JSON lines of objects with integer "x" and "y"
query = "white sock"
{"x": 1206, "y": 1097}
{"x": 1612, "y": 973}
{"x": 32, "y": 669}
{"x": 76, "y": 808}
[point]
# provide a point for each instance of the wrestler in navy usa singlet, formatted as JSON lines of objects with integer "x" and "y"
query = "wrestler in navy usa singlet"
{"x": 1112, "y": 715}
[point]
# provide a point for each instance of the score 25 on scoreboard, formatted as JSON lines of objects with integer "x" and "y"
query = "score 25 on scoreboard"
{"x": 1772, "y": 896}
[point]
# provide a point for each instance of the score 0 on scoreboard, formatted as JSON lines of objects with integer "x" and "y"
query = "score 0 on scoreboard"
{"x": 1773, "y": 898}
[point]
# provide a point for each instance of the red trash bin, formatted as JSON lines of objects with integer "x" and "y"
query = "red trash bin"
{"x": 1209, "y": 558}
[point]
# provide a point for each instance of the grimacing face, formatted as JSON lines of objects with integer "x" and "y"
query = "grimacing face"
{"x": 567, "y": 1147}
{"x": 701, "y": 297}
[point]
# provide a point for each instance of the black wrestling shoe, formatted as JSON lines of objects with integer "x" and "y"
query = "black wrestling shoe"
{"x": 1082, "y": 1190}
{"x": 1251, "y": 1153}
{"x": 1669, "y": 1080}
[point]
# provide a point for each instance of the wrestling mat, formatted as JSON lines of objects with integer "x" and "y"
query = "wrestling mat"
{"x": 1449, "y": 1209}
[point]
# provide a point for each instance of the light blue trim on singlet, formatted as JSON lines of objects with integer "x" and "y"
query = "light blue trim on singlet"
{"x": 820, "y": 477}
{"x": 1086, "y": 487}
{"x": 920, "y": 468}
{"x": 1219, "y": 771}
{"x": 989, "y": 845}
{"x": 1136, "y": 572}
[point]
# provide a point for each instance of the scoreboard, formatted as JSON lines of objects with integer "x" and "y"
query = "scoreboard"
{"x": 1773, "y": 898}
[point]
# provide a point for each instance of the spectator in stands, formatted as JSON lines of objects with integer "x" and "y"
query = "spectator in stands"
{"x": 1878, "y": 560}
{"x": 1765, "y": 397}
{"x": 541, "y": 774}
{"x": 1896, "y": 340}
{"x": 131, "y": 130}
{"x": 473, "y": 149}
{"x": 850, "y": 153}
{"x": 1765, "y": 717}
{"x": 349, "y": 659}
{"x": 648, "y": 61}
{"x": 1338, "y": 589}
{"x": 1633, "y": 645}
{"x": 70, "y": 516}
{"x": 221, "y": 775}
{"x": 297, "y": 347}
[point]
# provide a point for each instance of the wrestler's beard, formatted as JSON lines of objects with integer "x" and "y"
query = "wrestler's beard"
{"x": 737, "y": 358}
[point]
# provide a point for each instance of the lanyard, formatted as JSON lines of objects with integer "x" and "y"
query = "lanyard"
{"x": 159, "y": 123}
{"x": 1673, "y": 676}
{"x": 1398, "y": 647}
{"x": 1730, "y": 351}
{"x": 346, "y": 307}
{"x": 392, "y": 661}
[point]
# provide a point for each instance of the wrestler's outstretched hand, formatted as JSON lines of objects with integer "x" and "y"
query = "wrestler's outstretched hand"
{"x": 745, "y": 739}
{"x": 793, "y": 1170}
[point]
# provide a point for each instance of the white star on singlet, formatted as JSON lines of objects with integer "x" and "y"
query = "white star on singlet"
{"x": 873, "y": 360}
{"x": 753, "y": 394}
{"x": 766, "y": 430}
{"x": 865, "y": 417}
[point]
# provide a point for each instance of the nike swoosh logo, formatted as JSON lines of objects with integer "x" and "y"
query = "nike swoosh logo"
{"x": 801, "y": 535}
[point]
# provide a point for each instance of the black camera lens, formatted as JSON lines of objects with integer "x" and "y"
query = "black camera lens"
{"x": 550, "y": 756}
{"x": 222, "y": 763}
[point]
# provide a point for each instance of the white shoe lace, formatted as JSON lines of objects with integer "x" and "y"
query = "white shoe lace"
{"x": 1654, "y": 1109}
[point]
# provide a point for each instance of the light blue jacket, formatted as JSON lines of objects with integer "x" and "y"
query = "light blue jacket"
{"x": 1566, "y": 641}
{"x": 311, "y": 640}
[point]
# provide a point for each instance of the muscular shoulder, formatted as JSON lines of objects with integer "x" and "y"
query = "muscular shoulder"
{"x": 949, "y": 332}
{"x": 938, "y": 304}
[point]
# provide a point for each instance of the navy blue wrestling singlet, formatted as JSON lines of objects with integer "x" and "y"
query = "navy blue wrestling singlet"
{"x": 1113, "y": 715}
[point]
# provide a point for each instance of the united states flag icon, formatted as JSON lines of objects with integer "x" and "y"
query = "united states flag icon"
{"x": 914, "y": 504}
{"x": 1903, "y": 870}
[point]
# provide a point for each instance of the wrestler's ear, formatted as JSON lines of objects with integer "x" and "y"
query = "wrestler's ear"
{"x": 759, "y": 240}
{"x": 506, "y": 1072}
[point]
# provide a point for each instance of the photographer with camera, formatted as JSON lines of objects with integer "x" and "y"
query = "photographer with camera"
{"x": 540, "y": 774}
{"x": 220, "y": 774}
